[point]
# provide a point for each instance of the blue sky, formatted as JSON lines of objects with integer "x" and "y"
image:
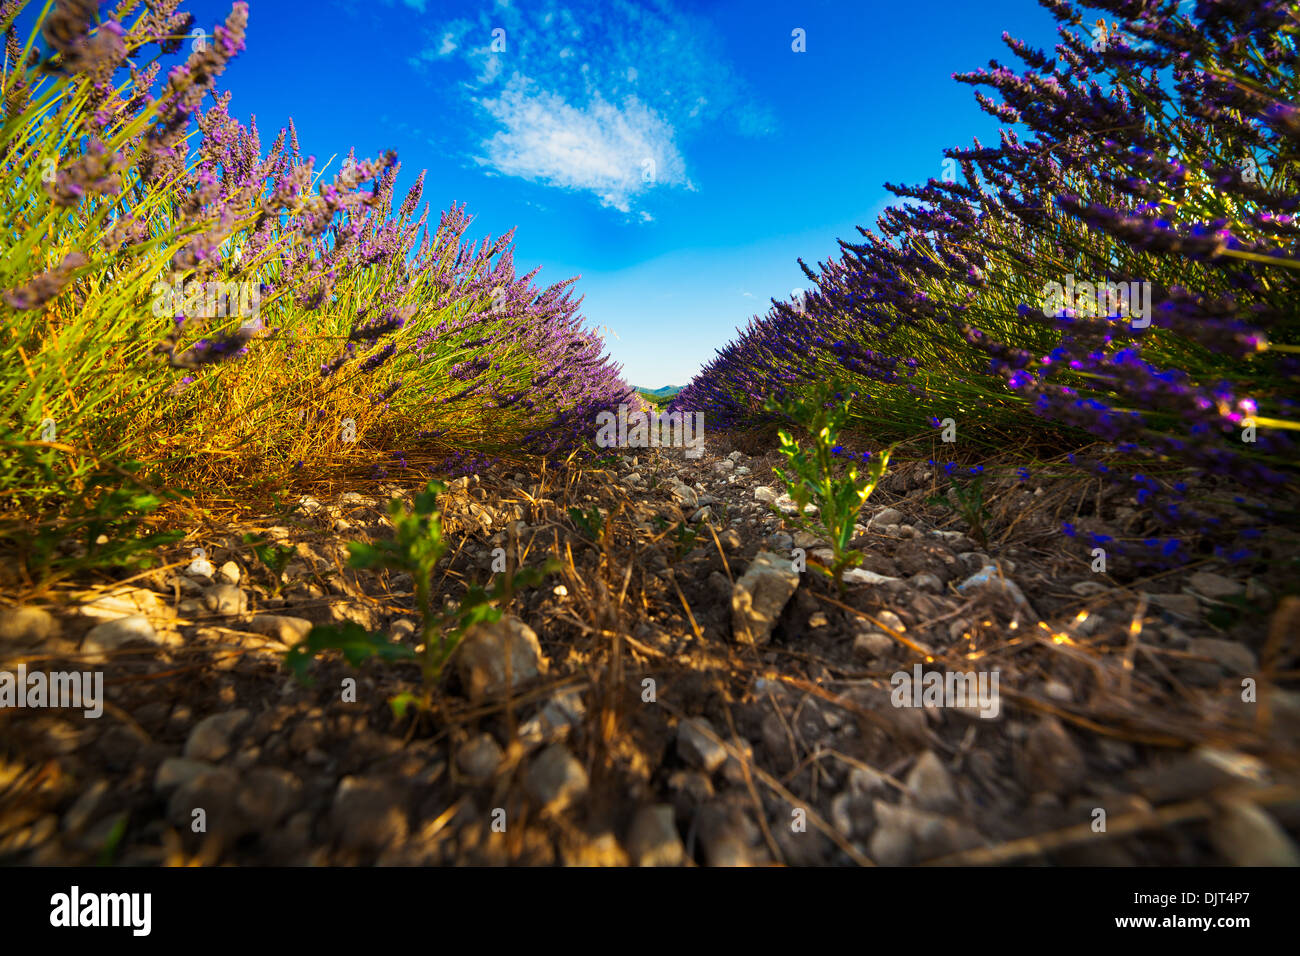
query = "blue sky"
{"x": 677, "y": 156}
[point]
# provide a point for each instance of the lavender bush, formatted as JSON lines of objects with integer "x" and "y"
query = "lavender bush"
{"x": 1163, "y": 159}
{"x": 172, "y": 292}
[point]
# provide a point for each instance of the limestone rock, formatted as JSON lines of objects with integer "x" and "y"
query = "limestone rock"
{"x": 759, "y": 596}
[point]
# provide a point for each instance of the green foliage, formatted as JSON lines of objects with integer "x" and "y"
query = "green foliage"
{"x": 822, "y": 475}
{"x": 478, "y": 606}
{"x": 590, "y": 522}
{"x": 683, "y": 536}
{"x": 401, "y": 703}
{"x": 415, "y": 548}
{"x": 111, "y": 842}
{"x": 683, "y": 540}
{"x": 969, "y": 493}
{"x": 104, "y": 520}
{"x": 274, "y": 558}
{"x": 357, "y": 644}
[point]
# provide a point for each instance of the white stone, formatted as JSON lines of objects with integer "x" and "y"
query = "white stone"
{"x": 759, "y": 596}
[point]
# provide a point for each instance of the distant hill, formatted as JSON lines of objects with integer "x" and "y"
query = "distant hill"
{"x": 668, "y": 391}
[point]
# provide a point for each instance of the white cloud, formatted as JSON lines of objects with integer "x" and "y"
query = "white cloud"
{"x": 599, "y": 147}
{"x": 588, "y": 90}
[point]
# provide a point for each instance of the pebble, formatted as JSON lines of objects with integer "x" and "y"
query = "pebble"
{"x": 1196, "y": 773}
{"x": 891, "y": 620}
{"x": 686, "y": 495}
{"x": 225, "y": 599}
{"x": 126, "y": 602}
{"x": 930, "y": 786}
{"x": 1050, "y": 759}
{"x": 1246, "y": 835}
{"x": 864, "y": 782}
{"x": 1179, "y": 605}
{"x": 759, "y": 597}
{"x": 1215, "y": 586}
{"x": 863, "y": 576}
{"x": 267, "y": 795}
{"x": 481, "y": 659}
{"x": 555, "y": 779}
{"x": 215, "y": 792}
{"x": 730, "y": 539}
{"x": 27, "y": 625}
{"x": 177, "y": 771}
{"x": 724, "y": 844}
{"x": 367, "y": 814}
{"x": 991, "y": 578}
{"x": 885, "y": 516}
{"x": 787, "y": 505}
{"x": 479, "y": 757}
{"x": 733, "y": 770}
{"x": 906, "y": 834}
{"x": 555, "y": 720}
{"x": 1058, "y": 691}
{"x": 872, "y": 644}
{"x": 404, "y": 628}
{"x": 229, "y": 573}
{"x": 287, "y": 630}
{"x": 653, "y": 839}
{"x": 803, "y": 539}
{"x": 111, "y": 635}
{"x": 698, "y": 749}
{"x": 1233, "y": 657}
{"x": 210, "y": 738}
{"x": 691, "y": 786}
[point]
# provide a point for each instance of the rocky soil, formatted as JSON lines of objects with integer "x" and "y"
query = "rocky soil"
{"x": 678, "y": 695}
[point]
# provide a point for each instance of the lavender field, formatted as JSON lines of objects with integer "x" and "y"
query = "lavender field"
{"x": 331, "y": 536}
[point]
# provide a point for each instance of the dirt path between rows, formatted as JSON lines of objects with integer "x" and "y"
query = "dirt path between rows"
{"x": 681, "y": 694}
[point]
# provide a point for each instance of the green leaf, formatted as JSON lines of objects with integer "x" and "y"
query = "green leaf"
{"x": 401, "y": 702}
{"x": 357, "y": 644}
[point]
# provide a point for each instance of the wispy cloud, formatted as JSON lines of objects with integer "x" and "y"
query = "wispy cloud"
{"x": 597, "y": 97}
{"x": 614, "y": 152}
